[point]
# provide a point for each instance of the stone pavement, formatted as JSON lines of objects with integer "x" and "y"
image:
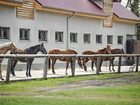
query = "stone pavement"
{"x": 60, "y": 72}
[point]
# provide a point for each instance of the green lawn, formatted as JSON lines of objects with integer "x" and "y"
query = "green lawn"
{"x": 22, "y": 93}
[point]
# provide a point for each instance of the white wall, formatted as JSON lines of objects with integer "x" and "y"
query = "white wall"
{"x": 57, "y": 22}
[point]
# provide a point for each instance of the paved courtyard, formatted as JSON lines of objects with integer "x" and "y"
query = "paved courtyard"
{"x": 60, "y": 72}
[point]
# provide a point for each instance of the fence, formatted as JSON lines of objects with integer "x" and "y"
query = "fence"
{"x": 10, "y": 57}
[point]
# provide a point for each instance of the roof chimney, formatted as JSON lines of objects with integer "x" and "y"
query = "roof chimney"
{"x": 108, "y": 9}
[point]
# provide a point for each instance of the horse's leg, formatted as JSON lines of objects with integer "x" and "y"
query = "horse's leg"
{"x": 85, "y": 60}
{"x": 100, "y": 65}
{"x": 67, "y": 65}
{"x": 1, "y": 73}
{"x": 27, "y": 74}
{"x": 92, "y": 65}
{"x": 13, "y": 67}
{"x": 53, "y": 63}
{"x": 29, "y": 67}
{"x": 113, "y": 65}
{"x": 110, "y": 63}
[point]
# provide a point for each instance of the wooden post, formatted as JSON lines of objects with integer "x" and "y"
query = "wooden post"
{"x": 98, "y": 65}
{"x": 9, "y": 66}
{"x": 45, "y": 71}
{"x": 119, "y": 65}
{"x": 73, "y": 66}
{"x": 137, "y": 63}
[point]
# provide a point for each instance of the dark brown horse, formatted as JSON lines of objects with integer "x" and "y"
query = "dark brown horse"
{"x": 31, "y": 50}
{"x": 106, "y": 50}
{"x": 4, "y": 48}
{"x": 68, "y": 60}
{"x": 111, "y": 59}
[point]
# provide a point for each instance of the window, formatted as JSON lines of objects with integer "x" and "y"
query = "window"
{"x": 24, "y": 34}
{"x": 109, "y": 39}
{"x": 130, "y": 36}
{"x": 99, "y": 39}
{"x": 86, "y": 38}
{"x": 42, "y": 35}
{"x": 58, "y": 36}
{"x": 73, "y": 37}
{"x": 120, "y": 40}
{"x": 4, "y": 32}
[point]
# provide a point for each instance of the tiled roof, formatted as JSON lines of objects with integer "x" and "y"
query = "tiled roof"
{"x": 82, "y": 6}
{"x": 119, "y": 10}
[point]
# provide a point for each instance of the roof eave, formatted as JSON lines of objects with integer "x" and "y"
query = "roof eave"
{"x": 125, "y": 20}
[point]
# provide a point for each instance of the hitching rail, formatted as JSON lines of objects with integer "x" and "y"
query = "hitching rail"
{"x": 10, "y": 57}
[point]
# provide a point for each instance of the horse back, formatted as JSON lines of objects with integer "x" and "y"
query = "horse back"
{"x": 88, "y": 52}
{"x": 117, "y": 51}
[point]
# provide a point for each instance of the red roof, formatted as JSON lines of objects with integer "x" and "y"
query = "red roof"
{"x": 122, "y": 12}
{"x": 82, "y": 6}
{"x": 88, "y": 6}
{"x": 119, "y": 10}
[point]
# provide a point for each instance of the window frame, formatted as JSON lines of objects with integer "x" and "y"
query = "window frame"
{"x": 59, "y": 38}
{"x": 43, "y": 35}
{"x": 86, "y": 38}
{"x": 118, "y": 41}
{"x": 100, "y": 40}
{"x": 108, "y": 39}
{"x": 73, "y": 37}
{"x": 24, "y": 37}
{"x": 4, "y": 33}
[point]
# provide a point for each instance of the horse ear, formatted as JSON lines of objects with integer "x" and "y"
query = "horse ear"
{"x": 42, "y": 44}
{"x": 109, "y": 46}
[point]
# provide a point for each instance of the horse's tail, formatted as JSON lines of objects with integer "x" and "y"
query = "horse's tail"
{"x": 49, "y": 64}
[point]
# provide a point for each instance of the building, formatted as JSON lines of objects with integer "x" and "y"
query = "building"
{"x": 76, "y": 24}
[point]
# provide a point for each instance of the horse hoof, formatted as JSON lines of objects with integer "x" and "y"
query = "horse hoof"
{"x": 13, "y": 75}
{"x": 85, "y": 69}
{"x": 66, "y": 73}
{"x": 2, "y": 79}
{"x": 54, "y": 73}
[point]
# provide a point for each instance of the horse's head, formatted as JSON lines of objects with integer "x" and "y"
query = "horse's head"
{"x": 13, "y": 48}
{"x": 106, "y": 50}
{"x": 42, "y": 49}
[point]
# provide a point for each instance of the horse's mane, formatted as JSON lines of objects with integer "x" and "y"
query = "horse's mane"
{"x": 5, "y": 44}
{"x": 33, "y": 47}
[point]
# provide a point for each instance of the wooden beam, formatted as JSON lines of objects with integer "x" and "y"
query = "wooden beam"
{"x": 13, "y": 4}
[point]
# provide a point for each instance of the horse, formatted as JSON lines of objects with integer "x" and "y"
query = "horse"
{"x": 31, "y": 50}
{"x": 86, "y": 59}
{"x": 4, "y": 48}
{"x": 66, "y": 59}
{"x": 111, "y": 59}
{"x": 106, "y": 50}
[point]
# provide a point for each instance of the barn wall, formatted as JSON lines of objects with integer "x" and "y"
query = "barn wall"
{"x": 57, "y": 22}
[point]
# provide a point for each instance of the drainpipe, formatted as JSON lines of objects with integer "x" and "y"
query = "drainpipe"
{"x": 67, "y": 30}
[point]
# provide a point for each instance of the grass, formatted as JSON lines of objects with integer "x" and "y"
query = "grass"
{"x": 128, "y": 94}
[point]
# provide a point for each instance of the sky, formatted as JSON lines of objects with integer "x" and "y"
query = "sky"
{"x": 124, "y": 2}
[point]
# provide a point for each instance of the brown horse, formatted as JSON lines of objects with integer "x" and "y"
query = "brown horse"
{"x": 66, "y": 59}
{"x": 106, "y": 50}
{"x": 4, "y": 48}
{"x": 111, "y": 59}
